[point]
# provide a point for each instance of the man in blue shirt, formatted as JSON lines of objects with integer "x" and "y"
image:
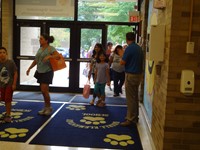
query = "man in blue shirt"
{"x": 133, "y": 61}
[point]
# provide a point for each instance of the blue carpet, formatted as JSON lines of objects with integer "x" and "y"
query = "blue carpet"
{"x": 89, "y": 126}
{"x": 38, "y": 96}
{"x": 25, "y": 121}
{"x": 109, "y": 100}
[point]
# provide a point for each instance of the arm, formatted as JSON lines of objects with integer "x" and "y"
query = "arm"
{"x": 31, "y": 66}
{"x": 95, "y": 75}
{"x": 14, "y": 80}
{"x": 90, "y": 71}
{"x": 55, "y": 55}
{"x": 108, "y": 76}
{"x": 122, "y": 62}
{"x": 121, "y": 53}
{"x": 110, "y": 60}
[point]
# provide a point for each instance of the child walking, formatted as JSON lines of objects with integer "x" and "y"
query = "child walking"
{"x": 8, "y": 81}
{"x": 98, "y": 48}
{"x": 102, "y": 77}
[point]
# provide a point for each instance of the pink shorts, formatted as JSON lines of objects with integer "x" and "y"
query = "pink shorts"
{"x": 6, "y": 94}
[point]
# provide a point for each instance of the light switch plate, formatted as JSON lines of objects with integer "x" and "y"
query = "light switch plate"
{"x": 190, "y": 47}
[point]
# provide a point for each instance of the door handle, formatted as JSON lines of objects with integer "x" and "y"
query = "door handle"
{"x": 84, "y": 59}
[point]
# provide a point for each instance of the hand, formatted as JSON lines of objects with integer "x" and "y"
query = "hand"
{"x": 108, "y": 83}
{"x": 14, "y": 87}
{"x": 27, "y": 72}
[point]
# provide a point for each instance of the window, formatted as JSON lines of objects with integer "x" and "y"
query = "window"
{"x": 45, "y": 10}
{"x": 105, "y": 10}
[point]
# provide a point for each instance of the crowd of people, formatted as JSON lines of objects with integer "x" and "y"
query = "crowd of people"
{"x": 122, "y": 64}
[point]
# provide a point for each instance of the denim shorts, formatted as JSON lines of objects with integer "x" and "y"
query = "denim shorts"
{"x": 46, "y": 77}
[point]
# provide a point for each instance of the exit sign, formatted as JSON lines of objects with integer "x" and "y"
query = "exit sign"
{"x": 134, "y": 19}
{"x": 134, "y": 16}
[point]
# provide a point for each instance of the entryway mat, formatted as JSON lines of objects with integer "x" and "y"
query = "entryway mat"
{"x": 25, "y": 120}
{"x": 109, "y": 100}
{"x": 38, "y": 96}
{"x": 91, "y": 127}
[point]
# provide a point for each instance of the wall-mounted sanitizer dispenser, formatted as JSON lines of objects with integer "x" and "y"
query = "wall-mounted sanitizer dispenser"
{"x": 187, "y": 82}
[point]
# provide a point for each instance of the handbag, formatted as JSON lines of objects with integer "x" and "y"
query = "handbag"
{"x": 58, "y": 64}
{"x": 86, "y": 91}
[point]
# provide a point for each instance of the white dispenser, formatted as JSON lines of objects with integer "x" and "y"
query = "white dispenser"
{"x": 187, "y": 82}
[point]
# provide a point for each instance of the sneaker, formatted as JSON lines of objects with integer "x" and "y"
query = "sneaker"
{"x": 45, "y": 111}
{"x": 48, "y": 111}
{"x": 127, "y": 123}
{"x": 41, "y": 112}
{"x": 115, "y": 95}
{"x": 8, "y": 119}
{"x": 121, "y": 92}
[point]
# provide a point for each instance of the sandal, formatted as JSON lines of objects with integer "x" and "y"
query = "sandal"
{"x": 101, "y": 104}
{"x": 92, "y": 102}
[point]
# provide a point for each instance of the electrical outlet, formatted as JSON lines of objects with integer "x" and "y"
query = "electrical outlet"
{"x": 190, "y": 47}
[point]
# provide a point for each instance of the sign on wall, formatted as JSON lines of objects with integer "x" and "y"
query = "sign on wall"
{"x": 50, "y": 8}
{"x": 159, "y": 4}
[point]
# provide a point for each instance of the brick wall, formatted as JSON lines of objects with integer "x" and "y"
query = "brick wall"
{"x": 182, "y": 123}
{"x": 7, "y": 26}
{"x": 176, "y": 117}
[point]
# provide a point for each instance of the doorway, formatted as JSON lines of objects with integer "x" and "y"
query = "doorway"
{"x": 74, "y": 42}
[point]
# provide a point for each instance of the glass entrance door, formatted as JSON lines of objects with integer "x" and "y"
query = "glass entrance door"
{"x": 88, "y": 38}
{"x": 27, "y": 46}
{"x": 76, "y": 44}
{"x": 62, "y": 45}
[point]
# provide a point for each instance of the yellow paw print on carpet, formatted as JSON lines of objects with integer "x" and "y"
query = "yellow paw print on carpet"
{"x": 13, "y": 133}
{"x": 93, "y": 120}
{"x": 1, "y": 116}
{"x": 122, "y": 140}
{"x": 15, "y": 115}
{"x": 3, "y": 104}
{"x": 76, "y": 107}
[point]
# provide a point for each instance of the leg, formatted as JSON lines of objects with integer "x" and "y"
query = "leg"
{"x": 111, "y": 77}
{"x": 132, "y": 84}
{"x": 8, "y": 108}
{"x": 131, "y": 87}
{"x": 7, "y": 96}
{"x": 121, "y": 82}
{"x": 95, "y": 93}
{"x": 116, "y": 80}
{"x": 45, "y": 92}
{"x": 101, "y": 102}
{"x": 93, "y": 99}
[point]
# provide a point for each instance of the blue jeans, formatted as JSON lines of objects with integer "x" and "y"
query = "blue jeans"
{"x": 118, "y": 78}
